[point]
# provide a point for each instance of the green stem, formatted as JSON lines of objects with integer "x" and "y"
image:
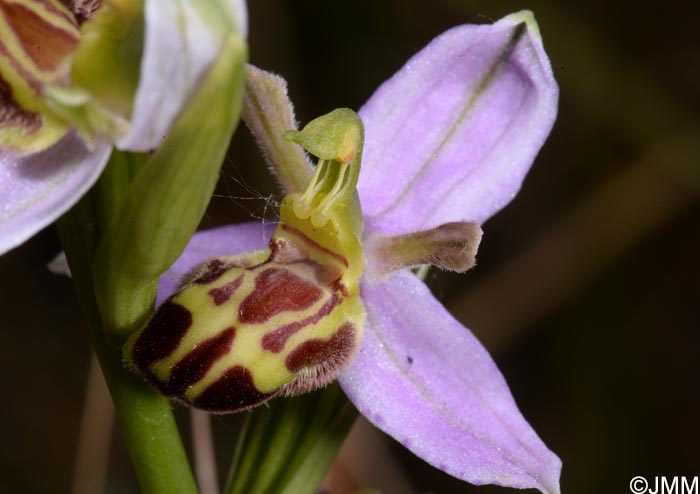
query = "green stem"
{"x": 145, "y": 418}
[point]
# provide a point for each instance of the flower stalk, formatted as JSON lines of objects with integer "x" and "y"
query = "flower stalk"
{"x": 122, "y": 236}
{"x": 145, "y": 418}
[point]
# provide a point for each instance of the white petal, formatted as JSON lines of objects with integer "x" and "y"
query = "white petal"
{"x": 180, "y": 45}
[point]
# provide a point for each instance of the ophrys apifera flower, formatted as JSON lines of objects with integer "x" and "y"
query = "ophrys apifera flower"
{"x": 447, "y": 143}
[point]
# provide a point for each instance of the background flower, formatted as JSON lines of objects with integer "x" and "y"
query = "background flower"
{"x": 37, "y": 188}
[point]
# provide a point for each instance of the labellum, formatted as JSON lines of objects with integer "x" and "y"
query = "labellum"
{"x": 282, "y": 321}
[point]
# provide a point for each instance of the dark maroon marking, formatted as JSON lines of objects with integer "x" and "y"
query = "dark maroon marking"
{"x": 300, "y": 235}
{"x": 223, "y": 293}
{"x": 317, "y": 351}
{"x": 162, "y": 335}
{"x": 82, "y": 9}
{"x": 13, "y": 114}
{"x": 195, "y": 364}
{"x": 339, "y": 286}
{"x": 46, "y": 44}
{"x": 211, "y": 270}
{"x": 232, "y": 392}
{"x": 50, "y": 7}
{"x": 275, "y": 341}
{"x": 325, "y": 275}
{"x": 285, "y": 252}
{"x": 276, "y": 291}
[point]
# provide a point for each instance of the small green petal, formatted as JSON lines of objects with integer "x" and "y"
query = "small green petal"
{"x": 268, "y": 113}
{"x": 108, "y": 57}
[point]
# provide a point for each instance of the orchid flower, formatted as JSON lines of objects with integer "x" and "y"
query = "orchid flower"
{"x": 447, "y": 143}
{"x": 74, "y": 82}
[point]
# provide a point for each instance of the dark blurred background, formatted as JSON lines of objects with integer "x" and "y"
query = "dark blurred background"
{"x": 586, "y": 292}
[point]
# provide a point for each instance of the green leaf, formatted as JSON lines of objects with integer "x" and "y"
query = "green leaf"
{"x": 286, "y": 448}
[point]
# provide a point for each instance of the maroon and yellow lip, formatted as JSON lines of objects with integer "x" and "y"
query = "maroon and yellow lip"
{"x": 237, "y": 334}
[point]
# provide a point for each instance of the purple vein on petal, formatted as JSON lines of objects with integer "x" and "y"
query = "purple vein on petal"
{"x": 500, "y": 60}
{"x": 437, "y": 205}
{"x": 451, "y": 136}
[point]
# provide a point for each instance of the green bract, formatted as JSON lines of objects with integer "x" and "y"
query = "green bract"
{"x": 167, "y": 199}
